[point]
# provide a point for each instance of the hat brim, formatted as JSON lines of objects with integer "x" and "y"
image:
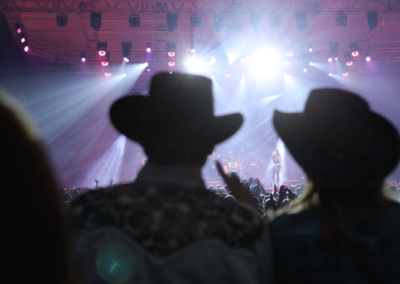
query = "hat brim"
{"x": 132, "y": 117}
{"x": 376, "y": 165}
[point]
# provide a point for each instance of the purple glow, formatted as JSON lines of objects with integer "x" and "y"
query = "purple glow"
{"x": 368, "y": 58}
{"x": 104, "y": 63}
{"x": 83, "y": 59}
{"x": 148, "y": 49}
{"x": 108, "y": 74}
{"x": 126, "y": 59}
{"x": 19, "y": 30}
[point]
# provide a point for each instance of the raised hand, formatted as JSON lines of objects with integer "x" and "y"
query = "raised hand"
{"x": 237, "y": 189}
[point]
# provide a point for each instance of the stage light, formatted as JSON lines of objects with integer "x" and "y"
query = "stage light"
{"x": 172, "y": 21}
{"x": 334, "y": 48}
{"x": 336, "y": 58}
{"x": 95, "y": 20}
{"x": 231, "y": 57}
{"x": 368, "y": 58}
{"x": 275, "y": 21}
{"x": 227, "y": 75}
{"x": 83, "y": 56}
{"x": 194, "y": 64}
{"x": 62, "y": 20}
{"x": 305, "y": 70}
{"x": 330, "y": 74}
{"x": 171, "y": 63}
{"x": 146, "y": 64}
{"x": 289, "y": 54}
{"x": 195, "y": 20}
{"x": 171, "y": 49}
{"x": 148, "y": 49}
{"x": 22, "y": 36}
{"x": 148, "y": 69}
{"x": 310, "y": 47}
{"x": 219, "y": 21}
{"x": 330, "y": 59}
{"x": 255, "y": 21}
{"x": 372, "y": 18}
{"x": 124, "y": 75}
{"x": 345, "y": 74}
{"x": 212, "y": 77}
{"x": 134, "y": 21}
{"x": 18, "y": 27}
{"x": 106, "y": 60}
{"x": 348, "y": 58}
{"x": 311, "y": 64}
{"x": 26, "y": 48}
{"x": 193, "y": 50}
{"x": 213, "y": 60}
{"x": 108, "y": 74}
{"x": 307, "y": 59}
{"x": 286, "y": 63}
{"x": 243, "y": 60}
{"x": 102, "y": 48}
{"x": 341, "y": 19}
{"x": 126, "y": 50}
{"x": 354, "y": 47}
{"x": 301, "y": 20}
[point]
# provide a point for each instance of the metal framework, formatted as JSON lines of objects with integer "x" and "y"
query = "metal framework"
{"x": 199, "y": 6}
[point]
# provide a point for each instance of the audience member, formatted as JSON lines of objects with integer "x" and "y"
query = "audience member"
{"x": 343, "y": 230}
{"x": 174, "y": 229}
{"x": 34, "y": 245}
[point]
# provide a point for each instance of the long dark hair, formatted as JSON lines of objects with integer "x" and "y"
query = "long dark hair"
{"x": 34, "y": 240}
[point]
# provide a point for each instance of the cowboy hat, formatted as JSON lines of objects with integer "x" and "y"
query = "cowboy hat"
{"x": 178, "y": 106}
{"x": 337, "y": 139}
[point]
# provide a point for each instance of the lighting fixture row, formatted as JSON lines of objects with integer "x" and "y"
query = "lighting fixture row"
{"x": 22, "y": 37}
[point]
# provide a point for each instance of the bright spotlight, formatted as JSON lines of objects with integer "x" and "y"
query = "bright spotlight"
{"x": 104, "y": 63}
{"x": 213, "y": 60}
{"x": 171, "y": 63}
{"x": 26, "y": 48}
{"x": 146, "y": 64}
{"x": 126, "y": 59}
{"x": 330, "y": 74}
{"x": 83, "y": 59}
{"x": 22, "y": 39}
{"x": 193, "y": 50}
{"x": 194, "y": 64}
{"x": 289, "y": 54}
{"x": 124, "y": 75}
{"x": 108, "y": 74}
{"x": 305, "y": 70}
{"x": 148, "y": 49}
{"x": 227, "y": 75}
{"x": 355, "y": 53}
{"x": 349, "y": 63}
{"x": 310, "y": 49}
{"x": 263, "y": 58}
{"x": 311, "y": 64}
{"x": 231, "y": 57}
{"x": 286, "y": 63}
{"x": 368, "y": 58}
{"x": 345, "y": 74}
{"x": 148, "y": 70}
{"x": 336, "y": 58}
{"x": 212, "y": 77}
{"x": 171, "y": 53}
{"x": 102, "y": 52}
{"x": 330, "y": 59}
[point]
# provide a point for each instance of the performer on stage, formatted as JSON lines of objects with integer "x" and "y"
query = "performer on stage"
{"x": 212, "y": 174}
{"x": 276, "y": 166}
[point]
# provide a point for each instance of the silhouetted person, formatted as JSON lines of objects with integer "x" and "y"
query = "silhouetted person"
{"x": 34, "y": 246}
{"x": 346, "y": 230}
{"x": 167, "y": 215}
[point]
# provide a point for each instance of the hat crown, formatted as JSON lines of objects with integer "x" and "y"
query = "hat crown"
{"x": 182, "y": 95}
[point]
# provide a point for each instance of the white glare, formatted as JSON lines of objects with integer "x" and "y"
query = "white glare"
{"x": 231, "y": 57}
{"x": 194, "y": 64}
{"x": 264, "y": 62}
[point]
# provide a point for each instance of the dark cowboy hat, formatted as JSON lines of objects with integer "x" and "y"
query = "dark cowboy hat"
{"x": 337, "y": 139}
{"x": 179, "y": 106}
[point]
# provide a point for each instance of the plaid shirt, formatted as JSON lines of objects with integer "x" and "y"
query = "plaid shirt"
{"x": 373, "y": 257}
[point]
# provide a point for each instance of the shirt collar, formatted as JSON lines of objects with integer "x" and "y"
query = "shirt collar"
{"x": 171, "y": 174}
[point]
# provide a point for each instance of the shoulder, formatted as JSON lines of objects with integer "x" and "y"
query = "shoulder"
{"x": 287, "y": 224}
